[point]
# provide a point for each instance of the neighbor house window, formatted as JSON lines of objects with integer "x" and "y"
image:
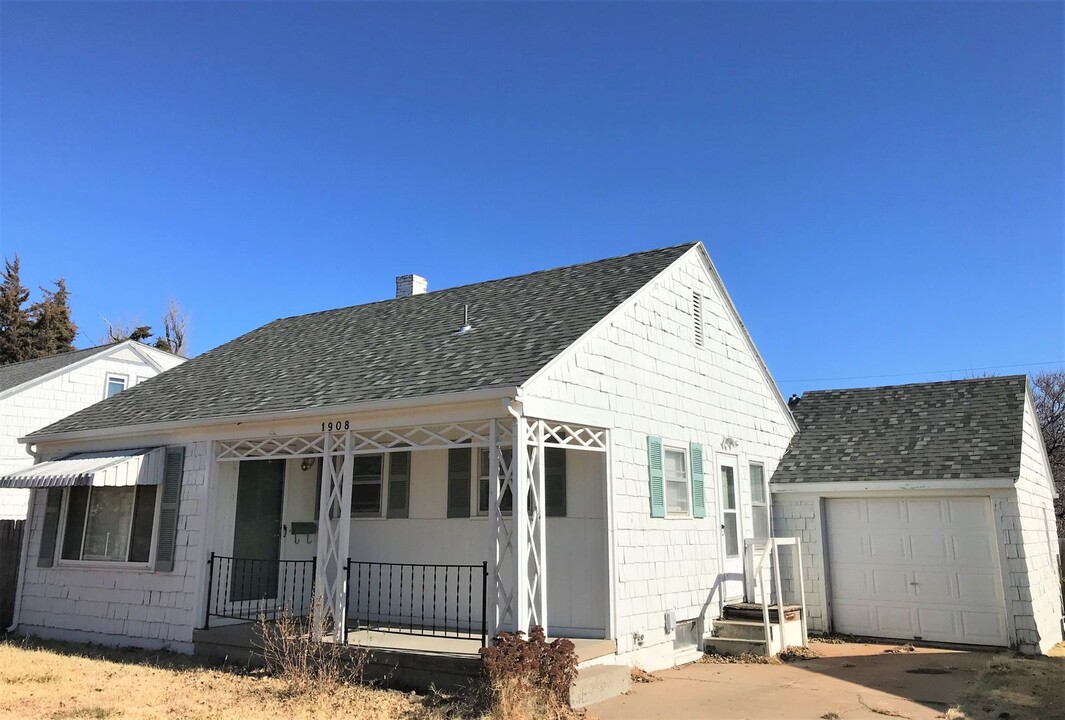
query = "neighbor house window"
{"x": 366, "y": 484}
{"x": 112, "y": 524}
{"x": 759, "y": 502}
{"x": 115, "y": 384}
{"x": 678, "y": 495}
{"x": 484, "y": 468}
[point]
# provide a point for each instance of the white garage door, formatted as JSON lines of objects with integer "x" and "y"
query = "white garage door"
{"x": 916, "y": 569}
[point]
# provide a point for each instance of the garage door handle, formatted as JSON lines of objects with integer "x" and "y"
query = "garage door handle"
{"x": 915, "y": 583}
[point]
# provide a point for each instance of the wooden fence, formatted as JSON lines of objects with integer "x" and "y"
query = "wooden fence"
{"x": 10, "y": 553}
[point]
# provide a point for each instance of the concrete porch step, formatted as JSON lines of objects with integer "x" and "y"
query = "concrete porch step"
{"x": 589, "y": 650}
{"x": 598, "y": 683}
{"x": 733, "y": 646}
{"x": 744, "y": 630}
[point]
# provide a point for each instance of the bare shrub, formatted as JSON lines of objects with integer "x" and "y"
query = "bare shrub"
{"x": 301, "y": 652}
{"x": 529, "y": 678}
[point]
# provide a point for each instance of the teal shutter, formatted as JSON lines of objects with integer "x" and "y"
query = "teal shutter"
{"x": 399, "y": 485}
{"x": 458, "y": 482}
{"x": 50, "y": 528}
{"x": 698, "y": 498}
{"x": 654, "y": 466}
{"x": 555, "y": 481}
{"x": 166, "y": 542}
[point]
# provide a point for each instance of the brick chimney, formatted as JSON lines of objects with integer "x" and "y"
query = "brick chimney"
{"x": 407, "y": 285}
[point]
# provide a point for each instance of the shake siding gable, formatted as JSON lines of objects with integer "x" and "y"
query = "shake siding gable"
{"x": 644, "y": 369}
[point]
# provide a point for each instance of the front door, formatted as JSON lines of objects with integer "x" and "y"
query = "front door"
{"x": 731, "y": 530}
{"x": 257, "y": 531}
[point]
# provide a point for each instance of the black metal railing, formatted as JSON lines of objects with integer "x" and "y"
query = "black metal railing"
{"x": 430, "y": 600}
{"x": 250, "y": 589}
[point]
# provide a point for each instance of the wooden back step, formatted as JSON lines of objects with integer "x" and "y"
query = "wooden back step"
{"x": 753, "y": 611}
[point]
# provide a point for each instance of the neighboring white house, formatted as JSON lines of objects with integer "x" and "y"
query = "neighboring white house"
{"x": 926, "y": 513}
{"x": 36, "y": 393}
{"x": 600, "y": 436}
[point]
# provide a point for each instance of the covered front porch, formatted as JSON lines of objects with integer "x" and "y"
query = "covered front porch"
{"x": 427, "y": 538}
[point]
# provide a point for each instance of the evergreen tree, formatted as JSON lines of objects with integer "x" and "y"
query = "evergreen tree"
{"x": 16, "y": 331}
{"x": 53, "y": 330}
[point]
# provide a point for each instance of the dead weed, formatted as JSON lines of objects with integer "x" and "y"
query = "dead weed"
{"x": 833, "y": 639}
{"x": 899, "y": 649}
{"x": 741, "y": 659}
{"x": 794, "y": 653}
{"x": 640, "y": 676}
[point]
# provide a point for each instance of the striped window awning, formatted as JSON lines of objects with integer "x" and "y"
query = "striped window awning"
{"x": 143, "y": 466}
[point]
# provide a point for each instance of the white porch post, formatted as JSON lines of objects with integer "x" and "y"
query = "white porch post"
{"x": 537, "y": 525}
{"x": 500, "y": 535}
{"x": 334, "y": 531}
{"x": 528, "y": 524}
{"x": 519, "y": 505}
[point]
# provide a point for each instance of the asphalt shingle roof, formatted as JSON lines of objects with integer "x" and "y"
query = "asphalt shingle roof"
{"x": 963, "y": 429}
{"x": 399, "y": 348}
{"x": 15, "y": 374}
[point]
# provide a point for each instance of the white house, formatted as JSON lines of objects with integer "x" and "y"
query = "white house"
{"x": 926, "y": 512}
{"x": 586, "y": 448}
{"x": 36, "y": 393}
{"x": 592, "y": 443}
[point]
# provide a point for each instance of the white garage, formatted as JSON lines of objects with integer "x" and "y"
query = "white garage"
{"x": 916, "y": 568}
{"x": 925, "y": 513}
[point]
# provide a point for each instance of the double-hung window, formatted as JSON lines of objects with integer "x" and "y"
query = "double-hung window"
{"x": 111, "y": 524}
{"x": 678, "y": 493}
{"x": 484, "y": 474}
{"x": 759, "y": 502}
{"x": 115, "y": 384}
{"x": 367, "y": 480}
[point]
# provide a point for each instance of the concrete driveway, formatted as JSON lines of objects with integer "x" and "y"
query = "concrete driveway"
{"x": 852, "y": 680}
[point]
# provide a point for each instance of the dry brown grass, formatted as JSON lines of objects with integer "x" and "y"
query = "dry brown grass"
{"x": 1016, "y": 687}
{"x": 59, "y": 681}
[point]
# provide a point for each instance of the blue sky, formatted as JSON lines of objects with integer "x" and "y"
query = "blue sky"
{"x": 880, "y": 184}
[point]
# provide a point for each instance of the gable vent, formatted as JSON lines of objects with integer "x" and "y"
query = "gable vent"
{"x": 697, "y": 317}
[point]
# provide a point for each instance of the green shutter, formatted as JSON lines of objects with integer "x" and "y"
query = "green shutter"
{"x": 555, "y": 481}
{"x": 166, "y": 541}
{"x": 654, "y": 466}
{"x": 46, "y": 555}
{"x": 399, "y": 485}
{"x": 698, "y": 498}
{"x": 458, "y": 482}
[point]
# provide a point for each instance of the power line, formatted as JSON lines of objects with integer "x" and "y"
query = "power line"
{"x": 926, "y": 372}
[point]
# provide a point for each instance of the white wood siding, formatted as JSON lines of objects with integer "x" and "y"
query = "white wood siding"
{"x": 576, "y": 544}
{"x": 644, "y": 372}
{"x": 1030, "y": 537}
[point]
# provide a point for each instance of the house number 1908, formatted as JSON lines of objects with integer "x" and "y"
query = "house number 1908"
{"x": 336, "y": 425}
